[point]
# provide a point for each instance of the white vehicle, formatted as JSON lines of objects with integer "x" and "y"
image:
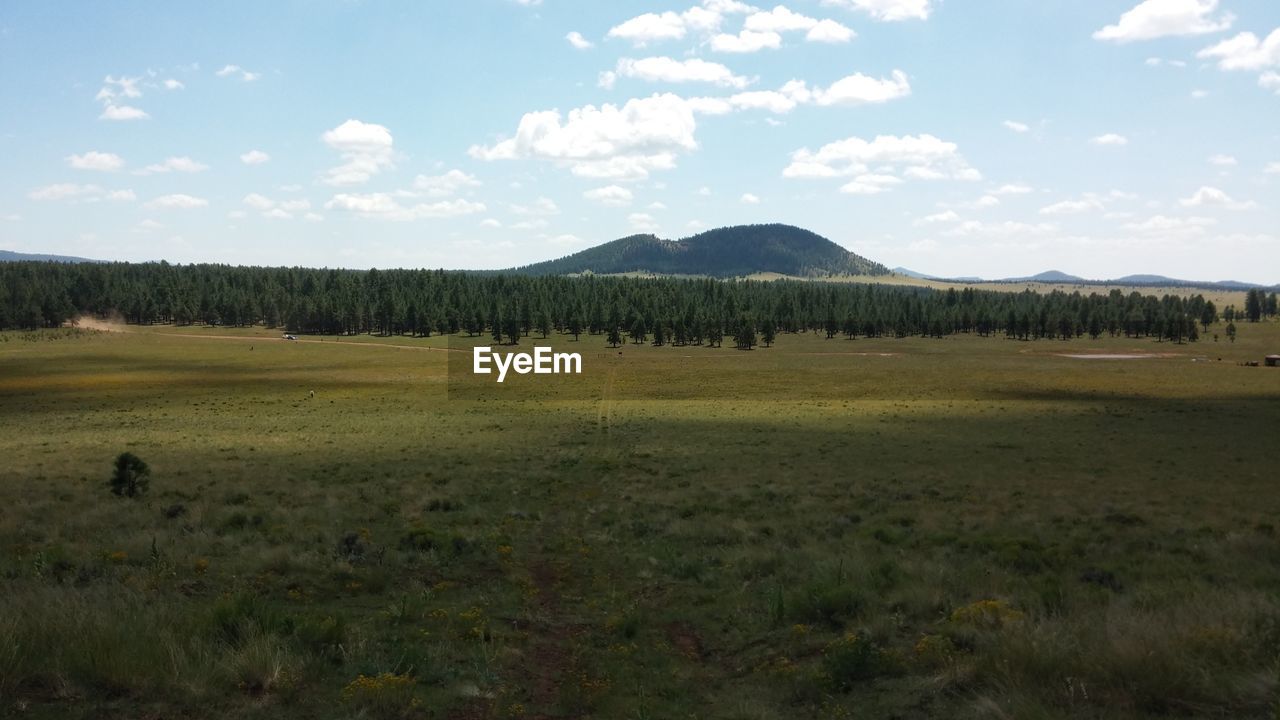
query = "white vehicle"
{"x": 290, "y": 337}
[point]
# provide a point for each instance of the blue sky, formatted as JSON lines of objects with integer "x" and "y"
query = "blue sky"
{"x": 962, "y": 138}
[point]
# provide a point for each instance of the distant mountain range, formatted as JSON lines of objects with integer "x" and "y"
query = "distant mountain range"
{"x": 724, "y": 252}
{"x": 744, "y": 250}
{"x": 11, "y": 256}
{"x": 1059, "y": 278}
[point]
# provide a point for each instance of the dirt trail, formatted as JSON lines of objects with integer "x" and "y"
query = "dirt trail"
{"x": 121, "y": 327}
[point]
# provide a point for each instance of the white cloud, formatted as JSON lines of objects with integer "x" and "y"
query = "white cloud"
{"x": 575, "y": 39}
{"x": 887, "y": 10}
{"x": 858, "y": 89}
{"x": 1270, "y": 81}
{"x": 608, "y": 142}
{"x": 94, "y": 160}
{"x": 1272, "y": 168}
{"x": 1005, "y": 229}
{"x": 1222, "y": 160}
{"x": 1165, "y": 225}
{"x": 1014, "y": 189}
{"x": 1245, "y": 52}
{"x": 1199, "y": 94}
{"x": 665, "y": 69}
{"x": 245, "y": 75}
{"x": 542, "y": 206}
{"x": 258, "y": 202}
{"x": 942, "y": 217}
{"x": 178, "y": 201}
{"x": 870, "y": 184}
{"x": 254, "y": 157}
{"x": 147, "y": 226}
{"x": 1073, "y": 207}
{"x": 923, "y": 157}
{"x": 1213, "y": 197}
{"x": 366, "y": 148}
{"x": 642, "y": 222}
{"x": 1162, "y": 18}
{"x": 610, "y": 195}
{"x": 1110, "y": 139}
{"x": 171, "y": 84}
{"x": 656, "y": 27}
{"x": 749, "y": 199}
{"x": 1016, "y": 126}
{"x": 173, "y": 164}
{"x": 490, "y": 223}
{"x": 122, "y": 112}
{"x": 829, "y": 31}
{"x": 650, "y": 27}
{"x": 445, "y": 185}
{"x": 384, "y": 206}
{"x": 747, "y": 41}
{"x": 73, "y": 191}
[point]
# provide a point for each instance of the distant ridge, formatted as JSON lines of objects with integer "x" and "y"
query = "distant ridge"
{"x": 11, "y": 256}
{"x": 723, "y": 253}
{"x": 1060, "y": 278}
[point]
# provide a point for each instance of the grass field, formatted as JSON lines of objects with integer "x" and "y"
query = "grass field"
{"x": 908, "y": 528}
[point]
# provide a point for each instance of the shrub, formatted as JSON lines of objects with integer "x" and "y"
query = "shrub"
{"x": 130, "y": 478}
{"x": 851, "y": 659}
{"x": 387, "y": 695}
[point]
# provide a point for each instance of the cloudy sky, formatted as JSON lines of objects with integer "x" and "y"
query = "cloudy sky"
{"x": 956, "y": 137}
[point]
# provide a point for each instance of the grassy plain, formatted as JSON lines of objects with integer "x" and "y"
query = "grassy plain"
{"x": 908, "y": 528}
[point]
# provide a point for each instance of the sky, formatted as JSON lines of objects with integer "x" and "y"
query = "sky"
{"x": 952, "y": 137}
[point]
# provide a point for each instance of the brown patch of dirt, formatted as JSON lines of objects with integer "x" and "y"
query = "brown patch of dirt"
{"x": 685, "y": 639}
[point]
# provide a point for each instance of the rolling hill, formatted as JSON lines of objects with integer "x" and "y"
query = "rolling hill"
{"x": 11, "y": 256}
{"x": 724, "y": 252}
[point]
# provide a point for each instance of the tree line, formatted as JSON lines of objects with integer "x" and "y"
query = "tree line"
{"x": 509, "y": 307}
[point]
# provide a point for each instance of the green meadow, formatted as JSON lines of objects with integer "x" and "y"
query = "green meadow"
{"x": 919, "y": 528}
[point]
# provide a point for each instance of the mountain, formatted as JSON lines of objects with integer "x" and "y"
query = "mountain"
{"x": 11, "y": 256}
{"x": 912, "y": 273}
{"x": 1049, "y": 276}
{"x": 723, "y": 252}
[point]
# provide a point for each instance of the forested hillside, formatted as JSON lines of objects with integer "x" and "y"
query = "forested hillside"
{"x": 724, "y": 252}
{"x": 676, "y": 311}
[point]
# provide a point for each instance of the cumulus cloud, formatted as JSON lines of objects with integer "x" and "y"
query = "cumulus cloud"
{"x": 606, "y": 142}
{"x": 1110, "y": 139}
{"x": 1222, "y": 160}
{"x": 94, "y": 160}
{"x": 642, "y": 222}
{"x": 887, "y": 10}
{"x": 749, "y": 199}
{"x": 1245, "y": 52}
{"x": 112, "y": 95}
{"x": 84, "y": 193}
{"x": 254, "y": 157}
{"x": 610, "y": 195}
{"x": 281, "y": 210}
{"x": 942, "y": 217}
{"x": 385, "y": 206}
{"x": 541, "y": 207}
{"x": 575, "y": 39}
{"x": 1163, "y": 18}
{"x": 1013, "y": 189}
{"x": 173, "y": 164}
{"x": 172, "y": 84}
{"x": 746, "y": 41}
{"x": 245, "y": 75}
{"x": 444, "y": 185}
{"x": 895, "y": 159}
{"x": 1214, "y": 197}
{"x": 657, "y": 27}
{"x": 366, "y": 149}
{"x": 665, "y": 69}
{"x": 1074, "y": 207}
{"x": 1016, "y": 126}
{"x": 177, "y": 201}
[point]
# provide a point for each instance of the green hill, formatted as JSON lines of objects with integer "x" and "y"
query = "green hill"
{"x": 723, "y": 252}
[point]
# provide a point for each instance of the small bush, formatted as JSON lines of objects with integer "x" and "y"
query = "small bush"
{"x": 851, "y": 659}
{"x": 387, "y": 695}
{"x": 131, "y": 476}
